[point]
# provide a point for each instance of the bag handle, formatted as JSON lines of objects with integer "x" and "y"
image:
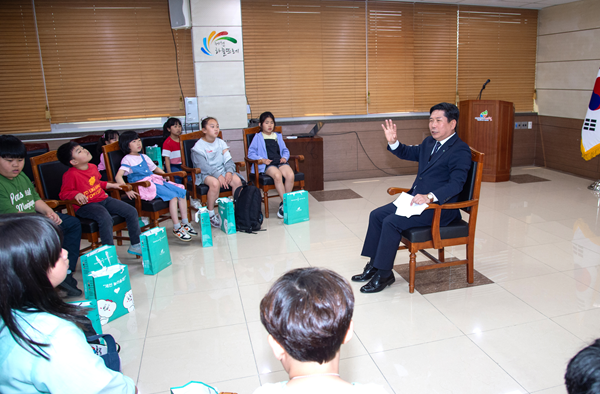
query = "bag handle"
{"x": 111, "y": 344}
{"x": 236, "y": 195}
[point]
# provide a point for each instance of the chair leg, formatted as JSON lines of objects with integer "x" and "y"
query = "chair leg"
{"x": 412, "y": 267}
{"x": 441, "y": 255}
{"x": 470, "y": 267}
{"x": 266, "y": 198}
{"x": 119, "y": 235}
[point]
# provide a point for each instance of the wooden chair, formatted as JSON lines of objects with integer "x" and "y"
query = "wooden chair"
{"x": 47, "y": 174}
{"x": 458, "y": 232}
{"x": 156, "y": 210}
{"x": 199, "y": 192}
{"x": 265, "y": 182}
{"x": 90, "y": 142}
{"x": 33, "y": 149}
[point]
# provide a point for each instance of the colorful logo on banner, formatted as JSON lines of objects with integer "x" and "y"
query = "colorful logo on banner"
{"x": 219, "y": 44}
{"x": 590, "y": 133}
{"x": 483, "y": 117}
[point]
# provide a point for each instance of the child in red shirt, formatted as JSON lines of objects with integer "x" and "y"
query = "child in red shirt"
{"x": 82, "y": 183}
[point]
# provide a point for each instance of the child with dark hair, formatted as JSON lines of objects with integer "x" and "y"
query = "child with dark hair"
{"x": 211, "y": 155}
{"x": 583, "y": 371}
{"x": 42, "y": 346}
{"x": 82, "y": 183}
{"x": 308, "y": 315}
{"x": 170, "y": 147}
{"x": 269, "y": 148}
{"x": 107, "y": 138}
{"x": 17, "y": 194}
{"x": 137, "y": 167}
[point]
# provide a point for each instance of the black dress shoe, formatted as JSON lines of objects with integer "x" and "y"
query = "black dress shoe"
{"x": 367, "y": 274}
{"x": 378, "y": 283}
{"x": 72, "y": 291}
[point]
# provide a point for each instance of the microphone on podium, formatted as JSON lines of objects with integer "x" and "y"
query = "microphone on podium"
{"x": 486, "y": 82}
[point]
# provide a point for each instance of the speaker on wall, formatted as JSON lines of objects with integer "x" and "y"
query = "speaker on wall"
{"x": 191, "y": 110}
{"x": 180, "y": 14}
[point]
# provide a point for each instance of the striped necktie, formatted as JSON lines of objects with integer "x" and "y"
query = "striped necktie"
{"x": 435, "y": 149}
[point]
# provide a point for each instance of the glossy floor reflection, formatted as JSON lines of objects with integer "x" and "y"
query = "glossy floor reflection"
{"x": 539, "y": 243}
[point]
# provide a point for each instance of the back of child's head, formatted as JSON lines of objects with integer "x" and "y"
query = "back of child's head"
{"x": 29, "y": 246}
{"x": 106, "y": 138}
{"x": 125, "y": 139}
{"x": 264, "y": 116}
{"x": 308, "y": 312}
{"x": 205, "y": 121}
{"x": 583, "y": 371}
{"x": 167, "y": 126}
{"x": 12, "y": 148}
{"x": 65, "y": 152}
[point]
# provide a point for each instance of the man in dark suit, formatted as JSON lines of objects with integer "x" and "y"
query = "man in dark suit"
{"x": 444, "y": 161}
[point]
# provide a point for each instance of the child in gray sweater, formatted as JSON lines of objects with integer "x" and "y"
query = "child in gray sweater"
{"x": 211, "y": 155}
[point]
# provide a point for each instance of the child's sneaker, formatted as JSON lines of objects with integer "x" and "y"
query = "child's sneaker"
{"x": 182, "y": 234}
{"x": 135, "y": 249}
{"x": 187, "y": 227}
{"x": 280, "y": 211}
{"x": 215, "y": 221}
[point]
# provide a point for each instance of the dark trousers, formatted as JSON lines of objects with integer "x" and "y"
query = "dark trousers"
{"x": 101, "y": 212}
{"x": 71, "y": 228}
{"x": 385, "y": 232}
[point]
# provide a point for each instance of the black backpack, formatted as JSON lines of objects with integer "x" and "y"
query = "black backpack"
{"x": 248, "y": 215}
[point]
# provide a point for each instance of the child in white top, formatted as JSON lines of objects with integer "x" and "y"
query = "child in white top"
{"x": 137, "y": 166}
{"x": 211, "y": 155}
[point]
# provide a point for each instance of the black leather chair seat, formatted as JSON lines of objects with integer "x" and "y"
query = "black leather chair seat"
{"x": 91, "y": 226}
{"x": 202, "y": 189}
{"x": 456, "y": 229}
{"x": 267, "y": 180}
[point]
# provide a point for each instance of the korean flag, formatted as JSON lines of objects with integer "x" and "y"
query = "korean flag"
{"x": 590, "y": 132}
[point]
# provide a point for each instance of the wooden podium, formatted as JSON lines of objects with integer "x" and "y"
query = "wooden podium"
{"x": 487, "y": 126}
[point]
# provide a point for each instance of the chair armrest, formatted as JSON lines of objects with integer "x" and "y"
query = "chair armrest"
{"x": 52, "y": 203}
{"x": 297, "y": 159}
{"x": 395, "y": 190}
{"x": 191, "y": 170}
{"x": 462, "y": 204}
{"x": 239, "y": 165}
{"x": 252, "y": 163}
{"x": 126, "y": 187}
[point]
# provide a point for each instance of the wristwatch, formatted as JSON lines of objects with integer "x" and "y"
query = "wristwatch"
{"x": 430, "y": 196}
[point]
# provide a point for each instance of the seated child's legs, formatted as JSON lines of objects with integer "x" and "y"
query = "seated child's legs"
{"x": 97, "y": 212}
{"x": 127, "y": 212}
{"x": 71, "y": 228}
{"x": 288, "y": 174}
{"x": 214, "y": 188}
{"x": 275, "y": 173}
{"x": 235, "y": 183}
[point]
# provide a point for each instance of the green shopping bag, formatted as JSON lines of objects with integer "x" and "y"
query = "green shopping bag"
{"x": 113, "y": 292}
{"x": 194, "y": 388}
{"x": 227, "y": 213}
{"x": 155, "y": 154}
{"x": 155, "y": 250}
{"x": 295, "y": 207}
{"x": 203, "y": 218}
{"x": 92, "y": 314}
{"x": 96, "y": 259}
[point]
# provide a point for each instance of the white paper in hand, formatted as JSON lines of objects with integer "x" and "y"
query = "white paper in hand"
{"x": 405, "y": 209}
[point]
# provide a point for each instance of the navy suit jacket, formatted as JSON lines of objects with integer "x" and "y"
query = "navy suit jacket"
{"x": 445, "y": 174}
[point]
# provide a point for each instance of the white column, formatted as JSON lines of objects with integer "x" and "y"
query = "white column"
{"x": 219, "y": 61}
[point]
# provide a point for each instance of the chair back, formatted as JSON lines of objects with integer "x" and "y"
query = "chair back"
{"x": 112, "y": 158}
{"x": 249, "y": 136}
{"x": 48, "y": 173}
{"x": 186, "y": 143}
{"x": 33, "y": 149}
{"x": 472, "y": 185}
{"x": 151, "y": 138}
{"x": 90, "y": 142}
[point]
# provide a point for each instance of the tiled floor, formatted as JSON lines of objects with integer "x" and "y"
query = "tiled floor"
{"x": 538, "y": 242}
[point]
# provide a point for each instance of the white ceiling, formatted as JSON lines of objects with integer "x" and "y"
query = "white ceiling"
{"x": 532, "y": 4}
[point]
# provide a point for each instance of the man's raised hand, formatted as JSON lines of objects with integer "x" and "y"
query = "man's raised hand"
{"x": 390, "y": 131}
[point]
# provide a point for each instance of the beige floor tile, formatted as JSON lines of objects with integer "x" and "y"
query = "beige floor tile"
{"x": 483, "y": 308}
{"x": 510, "y": 264}
{"x": 403, "y": 322}
{"x": 251, "y": 296}
{"x": 238, "y": 386}
{"x": 215, "y": 354}
{"x": 553, "y": 390}
{"x": 131, "y": 357}
{"x": 534, "y": 354}
{"x": 559, "y": 259}
{"x": 554, "y": 294}
{"x": 266, "y": 269}
{"x": 193, "y": 311}
{"x": 585, "y": 325}
{"x": 433, "y": 368}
